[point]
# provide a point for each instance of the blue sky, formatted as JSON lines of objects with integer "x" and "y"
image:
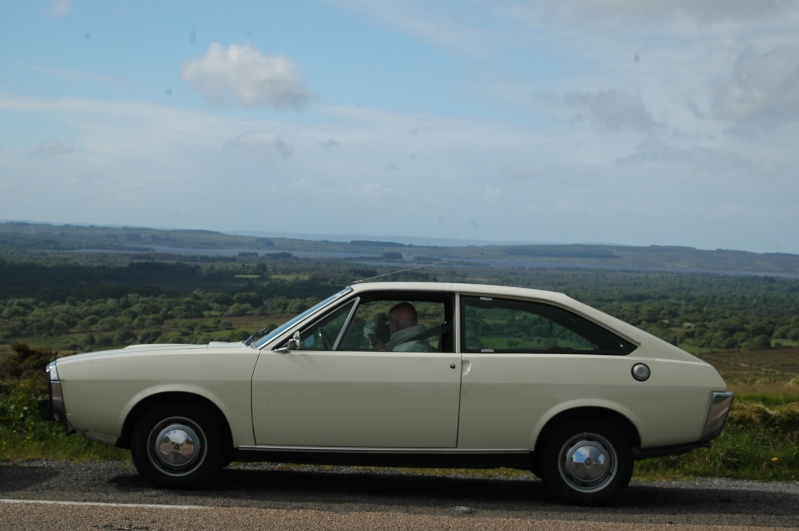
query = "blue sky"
{"x": 657, "y": 122}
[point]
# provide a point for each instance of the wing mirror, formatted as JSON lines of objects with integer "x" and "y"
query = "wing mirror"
{"x": 294, "y": 343}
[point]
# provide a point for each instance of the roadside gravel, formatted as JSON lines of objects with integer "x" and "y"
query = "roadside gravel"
{"x": 110, "y": 495}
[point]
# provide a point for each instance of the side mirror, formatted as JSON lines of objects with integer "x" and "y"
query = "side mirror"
{"x": 292, "y": 344}
{"x": 295, "y": 342}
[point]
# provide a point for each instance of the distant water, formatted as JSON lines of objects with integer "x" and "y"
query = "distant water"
{"x": 187, "y": 251}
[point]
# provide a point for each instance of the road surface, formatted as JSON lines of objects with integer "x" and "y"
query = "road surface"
{"x": 110, "y": 495}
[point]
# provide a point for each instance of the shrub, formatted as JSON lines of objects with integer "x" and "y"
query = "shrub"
{"x": 26, "y": 363}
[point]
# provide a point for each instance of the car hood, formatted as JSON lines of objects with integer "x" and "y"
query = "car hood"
{"x": 165, "y": 348}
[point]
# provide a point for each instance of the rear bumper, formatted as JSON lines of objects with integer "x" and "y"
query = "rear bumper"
{"x": 717, "y": 411}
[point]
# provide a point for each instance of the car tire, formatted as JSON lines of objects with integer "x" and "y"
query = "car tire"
{"x": 179, "y": 446}
{"x": 585, "y": 462}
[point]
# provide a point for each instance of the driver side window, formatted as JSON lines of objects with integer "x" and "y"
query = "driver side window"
{"x": 406, "y": 322}
{"x": 324, "y": 334}
{"x": 385, "y": 322}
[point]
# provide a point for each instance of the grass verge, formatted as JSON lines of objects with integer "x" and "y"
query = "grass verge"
{"x": 758, "y": 443}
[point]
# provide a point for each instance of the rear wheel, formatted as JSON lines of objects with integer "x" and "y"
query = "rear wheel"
{"x": 586, "y": 462}
{"x": 179, "y": 446}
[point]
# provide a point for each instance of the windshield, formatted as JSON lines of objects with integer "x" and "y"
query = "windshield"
{"x": 291, "y": 322}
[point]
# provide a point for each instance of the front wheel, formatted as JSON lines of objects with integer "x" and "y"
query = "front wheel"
{"x": 586, "y": 462}
{"x": 179, "y": 446}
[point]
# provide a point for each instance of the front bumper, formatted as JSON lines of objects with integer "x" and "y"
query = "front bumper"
{"x": 52, "y": 407}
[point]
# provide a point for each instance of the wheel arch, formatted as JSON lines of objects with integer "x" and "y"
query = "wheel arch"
{"x": 619, "y": 420}
{"x": 174, "y": 397}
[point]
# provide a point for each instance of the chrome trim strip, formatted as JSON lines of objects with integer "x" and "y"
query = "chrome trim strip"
{"x": 720, "y": 404}
{"x": 400, "y": 451}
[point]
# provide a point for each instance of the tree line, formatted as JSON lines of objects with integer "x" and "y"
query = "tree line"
{"x": 86, "y": 307}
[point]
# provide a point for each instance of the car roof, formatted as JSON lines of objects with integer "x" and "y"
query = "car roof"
{"x": 464, "y": 288}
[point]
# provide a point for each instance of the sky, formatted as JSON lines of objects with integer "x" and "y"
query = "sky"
{"x": 635, "y": 122}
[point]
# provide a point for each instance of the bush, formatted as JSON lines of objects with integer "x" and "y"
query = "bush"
{"x": 23, "y": 433}
{"x": 149, "y": 336}
{"x": 26, "y": 363}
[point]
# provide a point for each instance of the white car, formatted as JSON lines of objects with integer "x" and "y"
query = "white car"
{"x": 405, "y": 374}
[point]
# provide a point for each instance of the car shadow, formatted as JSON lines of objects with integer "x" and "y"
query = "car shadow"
{"x": 21, "y": 477}
{"x": 379, "y": 489}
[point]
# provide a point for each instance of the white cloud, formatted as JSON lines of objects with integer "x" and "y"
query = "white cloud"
{"x": 614, "y": 109}
{"x": 60, "y": 8}
{"x": 329, "y": 144}
{"x": 54, "y": 148}
{"x": 702, "y": 11}
{"x": 432, "y": 22}
{"x": 242, "y": 75}
{"x": 262, "y": 145}
{"x": 695, "y": 159}
{"x": 77, "y": 75}
{"x": 761, "y": 88}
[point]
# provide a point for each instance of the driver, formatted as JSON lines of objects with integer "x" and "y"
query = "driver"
{"x": 402, "y": 323}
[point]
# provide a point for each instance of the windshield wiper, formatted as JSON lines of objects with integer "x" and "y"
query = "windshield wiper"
{"x": 256, "y": 336}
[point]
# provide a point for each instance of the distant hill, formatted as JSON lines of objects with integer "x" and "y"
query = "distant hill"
{"x": 18, "y": 240}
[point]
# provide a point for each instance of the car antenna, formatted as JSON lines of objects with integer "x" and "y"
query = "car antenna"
{"x": 403, "y": 270}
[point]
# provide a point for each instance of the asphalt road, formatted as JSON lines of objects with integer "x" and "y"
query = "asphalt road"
{"x": 56, "y": 495}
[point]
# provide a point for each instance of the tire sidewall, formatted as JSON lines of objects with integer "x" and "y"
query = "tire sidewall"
{"x": 549, "y": 466}
{"x": 214, "y": 451}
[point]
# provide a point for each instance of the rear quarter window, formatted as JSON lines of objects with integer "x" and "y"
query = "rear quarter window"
{"x": 512, "y": 326}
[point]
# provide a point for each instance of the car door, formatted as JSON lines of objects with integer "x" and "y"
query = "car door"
{"x": 335, "y": 391}
{"x": 525, "y": 358}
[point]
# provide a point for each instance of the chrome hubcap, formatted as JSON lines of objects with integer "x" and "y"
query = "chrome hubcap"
{"x": 588, "y": 462}
{"x": 176, "y": 446}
